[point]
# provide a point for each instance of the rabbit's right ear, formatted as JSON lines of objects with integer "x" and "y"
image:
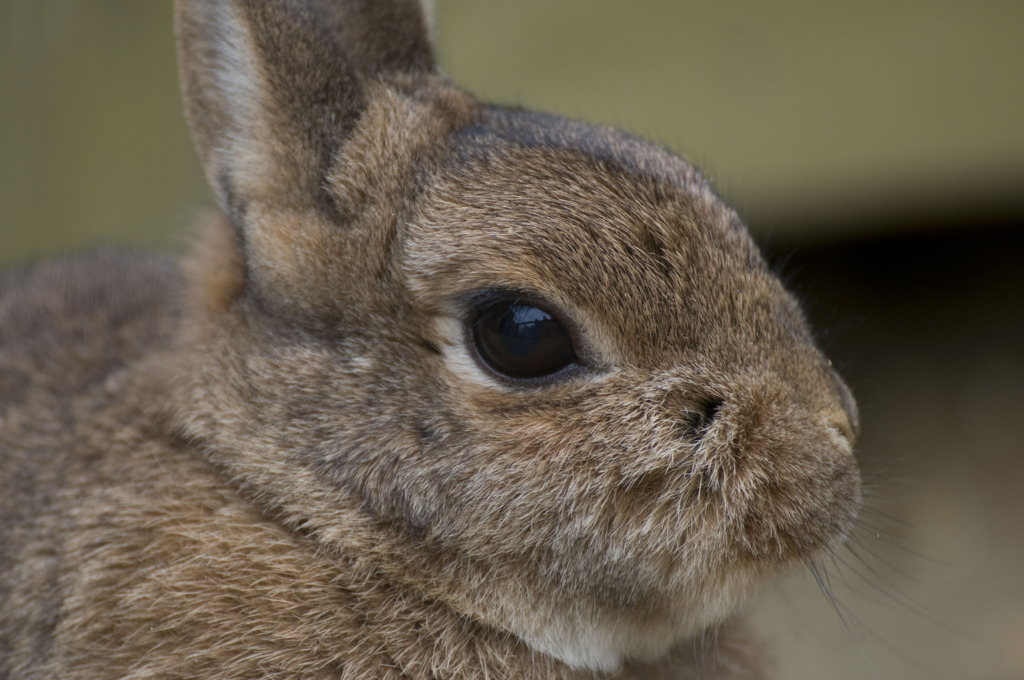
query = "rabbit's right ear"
{"x": 273, "y": 89}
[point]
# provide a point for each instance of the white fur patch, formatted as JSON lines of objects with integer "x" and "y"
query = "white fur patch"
{"x": 240, "y": 90}
{"x": 604, "y": 643}
{"x": 457, "y": 355}
{"x": 236, "y": 68}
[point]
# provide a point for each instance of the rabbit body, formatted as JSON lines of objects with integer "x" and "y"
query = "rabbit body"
{"x": 288, "y": 456}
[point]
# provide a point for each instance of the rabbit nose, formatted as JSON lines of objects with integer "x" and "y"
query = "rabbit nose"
{"x": 844, "y": 426}
{"x": 848, "y": 421}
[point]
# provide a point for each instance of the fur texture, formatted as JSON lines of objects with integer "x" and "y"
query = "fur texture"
{"x": 284, "y": 458}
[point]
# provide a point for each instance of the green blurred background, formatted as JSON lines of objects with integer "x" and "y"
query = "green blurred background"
{"x": 875, "y": 148}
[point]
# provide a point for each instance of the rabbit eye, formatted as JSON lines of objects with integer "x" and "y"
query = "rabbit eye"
{"x": 522, "y": 340}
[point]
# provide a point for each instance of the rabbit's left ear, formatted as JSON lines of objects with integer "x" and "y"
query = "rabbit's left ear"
{"x": 292, "y": 105}
{"x": 273, "y": 89}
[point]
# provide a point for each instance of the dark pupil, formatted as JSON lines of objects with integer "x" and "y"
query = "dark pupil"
{"x": 522, "y": 341}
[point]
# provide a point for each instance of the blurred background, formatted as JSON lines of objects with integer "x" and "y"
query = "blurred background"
{"x": 876, "y": 150}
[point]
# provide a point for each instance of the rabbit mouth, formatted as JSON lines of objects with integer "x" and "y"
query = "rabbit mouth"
{"x": 649, "y": 605}
{"x": 806, "y": 509}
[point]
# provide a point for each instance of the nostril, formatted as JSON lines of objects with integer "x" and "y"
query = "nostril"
{"x": 699, "y": 416}
{"x": 710, "y": 408}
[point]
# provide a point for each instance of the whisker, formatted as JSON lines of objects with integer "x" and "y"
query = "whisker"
{"x": 841, "y": 613}
{"x": 823, "y": 585}
{"x": 868, "y": 510}
{"x": 859, "y": 630}
{"x": 909, "y": 604}
{"x": 858, "y": 542}
{"x": 890, "y": 539}
{"x": 878, "y": 531}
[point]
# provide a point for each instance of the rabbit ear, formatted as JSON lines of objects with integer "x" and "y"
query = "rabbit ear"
{"x": 273, "y": 89}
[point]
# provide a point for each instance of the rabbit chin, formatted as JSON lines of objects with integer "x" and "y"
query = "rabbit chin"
{"x": 603, "y": 640}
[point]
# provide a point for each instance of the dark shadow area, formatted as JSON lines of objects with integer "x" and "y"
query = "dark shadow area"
{"x": 952, "y": 288}
{"x": 925, "y": 320}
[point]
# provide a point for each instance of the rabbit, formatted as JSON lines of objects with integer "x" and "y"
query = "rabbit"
{"x": 444, "y": 390}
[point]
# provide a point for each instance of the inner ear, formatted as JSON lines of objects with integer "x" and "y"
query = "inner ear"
{"x": 382, "y": 36}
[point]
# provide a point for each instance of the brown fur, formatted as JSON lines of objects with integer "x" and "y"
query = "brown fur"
{"x": 287, "y": 463}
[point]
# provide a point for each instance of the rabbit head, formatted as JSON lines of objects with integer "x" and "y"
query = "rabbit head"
{"x": 529, "y": 368}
